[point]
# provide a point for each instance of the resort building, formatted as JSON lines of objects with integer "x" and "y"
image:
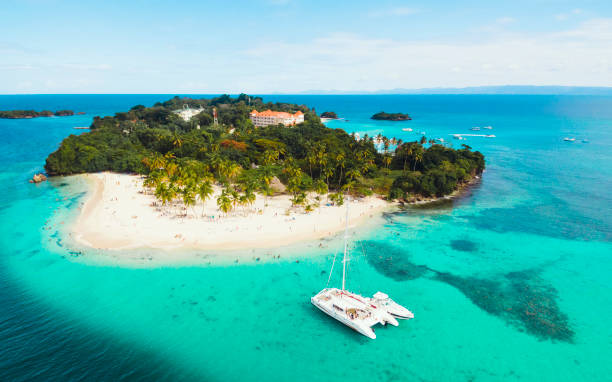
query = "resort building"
{"x": 270, "y": 117}
{"x": 186, "y": 112}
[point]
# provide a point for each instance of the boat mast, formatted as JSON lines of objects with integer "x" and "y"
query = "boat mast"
{"x": 344, "y": 259}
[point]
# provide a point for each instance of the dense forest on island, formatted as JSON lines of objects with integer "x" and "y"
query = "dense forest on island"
{"x": 391, "y": 116}
{"x": 329, "y": 114}
{"x": 18, "y": 114}
{"x": 186, "y": 158}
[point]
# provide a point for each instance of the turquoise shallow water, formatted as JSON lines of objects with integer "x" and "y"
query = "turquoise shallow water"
{"x": 510, "y": 282}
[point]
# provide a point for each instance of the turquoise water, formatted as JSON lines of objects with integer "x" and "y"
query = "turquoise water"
{"x": 510, "y": 282}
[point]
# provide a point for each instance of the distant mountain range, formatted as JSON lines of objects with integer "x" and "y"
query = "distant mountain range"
{"x": 507, "y": 89}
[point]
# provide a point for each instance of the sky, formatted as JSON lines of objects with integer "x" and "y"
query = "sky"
{"x": 291, "y": 46}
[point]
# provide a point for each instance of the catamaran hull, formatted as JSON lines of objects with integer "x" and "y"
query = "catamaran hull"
{"x": 366, "y": 331}
{"x": 401, "y": 317}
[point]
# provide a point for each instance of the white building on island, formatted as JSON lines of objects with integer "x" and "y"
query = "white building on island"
{"x": 186, "y": 112}
{"x": 269, "y": 117}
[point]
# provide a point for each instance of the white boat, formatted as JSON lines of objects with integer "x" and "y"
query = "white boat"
{"x": 406, "y": 129}
{"x": 475, "y": 129}
{"x": 353, "y": 310}
{"x": 566, "y": 139}
{"x": 382, "y": 301}
{"x": 488, "y": 127}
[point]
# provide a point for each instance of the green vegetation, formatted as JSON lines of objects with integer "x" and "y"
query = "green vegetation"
{"x": 183, "y": 159}
{"x": 391, "y": 116}
{"x": 18, "y": 114}
{"x": 329, "y": 114}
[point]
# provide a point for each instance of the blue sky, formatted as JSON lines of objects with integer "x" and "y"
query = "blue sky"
{"x": 265, "y": 46}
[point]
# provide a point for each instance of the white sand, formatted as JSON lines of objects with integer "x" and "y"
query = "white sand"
{"x": 118, "y": 215}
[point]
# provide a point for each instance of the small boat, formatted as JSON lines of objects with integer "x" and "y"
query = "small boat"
{"x": 488, "y": 127}
{"x": 81, "y": 127}
{"x": 406, "y": 129}
{"x": 423, "y": 133}
{"x": 585, "y": 141}
{"x": 475, "y": 128}
{"x": 458, "y": 136}
{"x": 490, "y": 136}
{"x": 566, "y": 139}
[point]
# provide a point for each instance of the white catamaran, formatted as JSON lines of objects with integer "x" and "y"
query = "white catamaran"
{"x": 353, "y": 310}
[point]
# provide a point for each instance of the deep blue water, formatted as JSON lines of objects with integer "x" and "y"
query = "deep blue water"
{"x": 510, "y": 282}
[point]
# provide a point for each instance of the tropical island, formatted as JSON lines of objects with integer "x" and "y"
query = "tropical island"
{"x": 329, "y": 115}
{"x": 382, "y": 116}
{"x": 24, "y": 114}
{"x": 172, "y": 177}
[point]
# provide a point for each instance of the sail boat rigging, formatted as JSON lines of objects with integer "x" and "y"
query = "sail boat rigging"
{"x": 353, "y": 310}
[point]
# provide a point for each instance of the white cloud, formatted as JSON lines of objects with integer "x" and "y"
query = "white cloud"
{"x": 398, "y": 11}
{"x": 505, "y": 20}
{"x": 567, "y": 15}
{"x": 579, "y": 56}
{"x": 278, "y": 2}
{"x": 591, "y": 30}
{"x": 86, "y": 67}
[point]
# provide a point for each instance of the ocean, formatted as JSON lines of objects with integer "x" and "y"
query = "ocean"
{"x": 512, "y": 281}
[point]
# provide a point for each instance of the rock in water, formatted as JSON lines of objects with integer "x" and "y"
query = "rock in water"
{"x": 37, "y": 178}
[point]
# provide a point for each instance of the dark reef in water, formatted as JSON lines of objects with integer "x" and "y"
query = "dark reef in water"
{"x": 522, "y": 299}
{"x": 391, "y": 262}
{"x": 464, "y": 245}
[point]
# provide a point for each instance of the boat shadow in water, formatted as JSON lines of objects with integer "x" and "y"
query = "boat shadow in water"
{"x": 522, "y": 299}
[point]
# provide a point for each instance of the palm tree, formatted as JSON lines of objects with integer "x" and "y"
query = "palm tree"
{"x": 385, "y": 144}
{"x": 188, "y": 195}
{"x": 224, "y": 202}
{"x": 340, "y": 163}
{"x": 250, "y": 197}
{"x": 418, "y": 156}
{"x": 328, "y": 171}
{"x": 408, "y": 151}
{"x": 173, "y": 191}
{"x": 235, "y": 197}
{"x": 161, "y": 193}
{"x": 320, "y": 188}
{"x": 387, "y": 160}
{"x": 204, "y": 191}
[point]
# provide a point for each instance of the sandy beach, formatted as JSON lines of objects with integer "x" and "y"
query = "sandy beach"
{"x": 118, "y": 214}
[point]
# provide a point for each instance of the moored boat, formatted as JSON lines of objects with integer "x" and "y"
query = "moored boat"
{"x": 353, "y": 310}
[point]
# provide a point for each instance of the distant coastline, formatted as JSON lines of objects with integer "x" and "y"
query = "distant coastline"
{"x": 27, "y": 114}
